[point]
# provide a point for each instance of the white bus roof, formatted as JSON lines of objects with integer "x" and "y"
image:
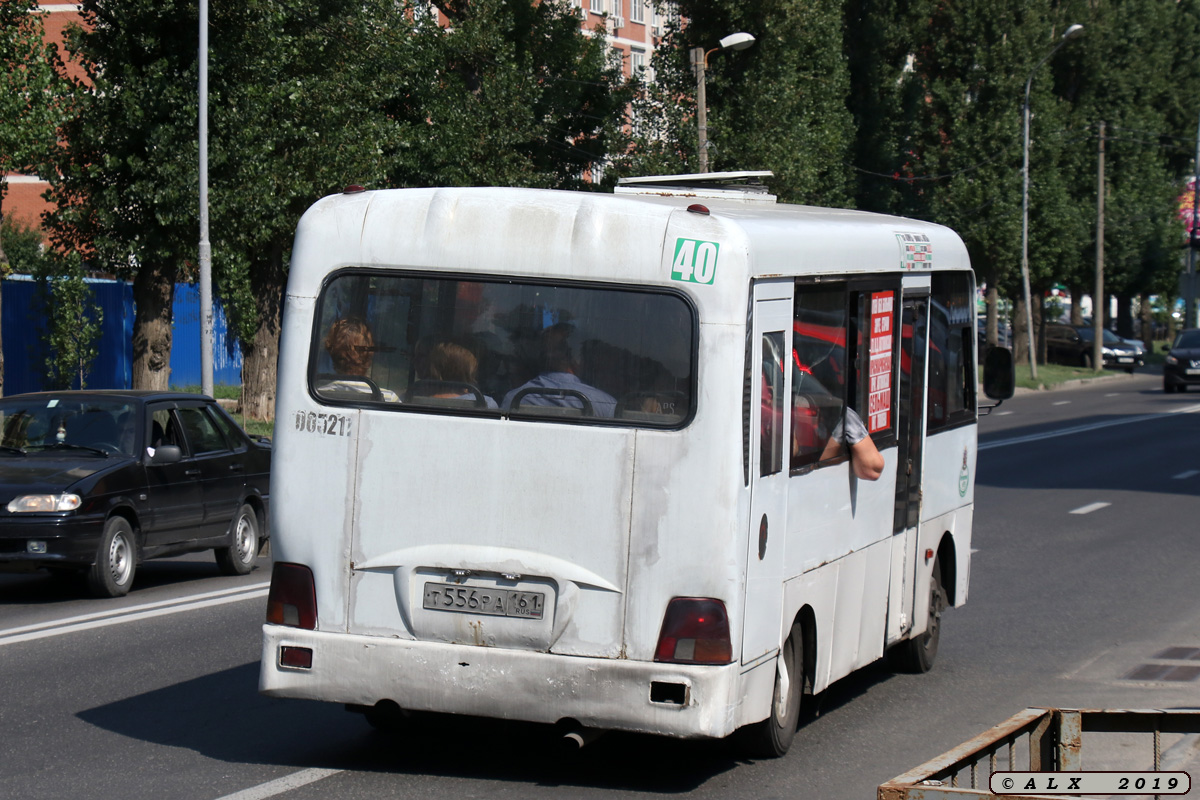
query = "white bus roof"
{"x": 624, "y": 238}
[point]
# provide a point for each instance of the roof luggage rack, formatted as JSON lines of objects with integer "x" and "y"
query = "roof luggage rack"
{"x": 746, "y": 185}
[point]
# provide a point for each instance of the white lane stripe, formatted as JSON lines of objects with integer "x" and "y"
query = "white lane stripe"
{"x": 281, "y": 785}
{"x": 1035, "y": 437}
{"x": 1090, "y": 508}
{"x": 150, "y": 614}
{"x": 1191, "y": 473}
{"x": 1063, "y": 403}
{"x": 191, "y": 598}
{"x": 1003, "y": 413}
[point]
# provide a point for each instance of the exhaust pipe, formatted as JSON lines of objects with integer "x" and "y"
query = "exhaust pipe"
{"x": 575, "y": 737}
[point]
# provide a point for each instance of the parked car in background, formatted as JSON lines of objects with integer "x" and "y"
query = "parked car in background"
{"x": 94, "y": 483}
{"x": 1182, "y": 367}
{"x": 1072, "y": 345}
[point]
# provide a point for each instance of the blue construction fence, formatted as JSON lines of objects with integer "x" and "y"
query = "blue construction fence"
{"x": 23, "y": 323}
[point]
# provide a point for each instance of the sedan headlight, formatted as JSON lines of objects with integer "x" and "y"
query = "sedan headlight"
{"x": 1108, "y": 351}
{"x": 1172, "y": 360}
{"x": 44, "y": 502}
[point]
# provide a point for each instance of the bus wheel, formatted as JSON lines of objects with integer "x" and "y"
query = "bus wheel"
{"x": 918, "y": 655}
{"x": 772, "y": 737}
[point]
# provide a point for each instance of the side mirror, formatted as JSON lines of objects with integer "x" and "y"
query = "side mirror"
{"x": 999, "y": 373}
{"x": 165, "y": 454}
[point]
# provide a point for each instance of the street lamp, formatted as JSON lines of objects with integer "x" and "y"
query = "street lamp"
{"x": 734, "y": 41}
{"x": 1070, "y": 32}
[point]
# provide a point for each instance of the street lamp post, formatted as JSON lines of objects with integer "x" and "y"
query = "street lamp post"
{"x": 206, "y": 313}
{"x": 1072, "y": 31}
{"x": 734, "y": 41}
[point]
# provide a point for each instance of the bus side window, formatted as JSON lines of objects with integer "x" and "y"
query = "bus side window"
{"x": 818, "y": 372}
{"x": 772, "y": 404}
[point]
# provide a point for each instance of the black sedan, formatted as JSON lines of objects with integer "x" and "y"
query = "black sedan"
{"x": 94, "y": 483}
{"x": 1182, "y": 367}
{"x": 1072, "y": 345}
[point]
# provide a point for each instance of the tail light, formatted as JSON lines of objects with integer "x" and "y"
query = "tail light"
{"x": 293, "y": 599}
{"x": 695, "y": 630}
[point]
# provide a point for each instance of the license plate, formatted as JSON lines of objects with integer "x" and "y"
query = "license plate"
{"x": 1125, "y": 360}
{"x": 483, "y": 600}
{"x": 1193, "y": 372}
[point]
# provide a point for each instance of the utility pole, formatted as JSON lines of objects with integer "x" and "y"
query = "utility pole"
{"x": 1189, "y": 286}
{"x": 206, "y": 312}
{"x": 698, "y": 59}
{"x": 1098, "y": 298}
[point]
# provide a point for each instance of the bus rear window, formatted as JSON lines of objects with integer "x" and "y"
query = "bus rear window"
{"x": 522, "y": 350}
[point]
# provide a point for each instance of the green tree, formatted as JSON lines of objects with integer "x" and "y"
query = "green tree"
{"x": 779, "y": 105}
{"x": 30, "y": 100}
{"x": 73, "y": 320}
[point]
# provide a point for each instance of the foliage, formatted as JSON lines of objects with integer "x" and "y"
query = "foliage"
{"x": 73, "y": 320}
{"x": 24, "y": 247}
{"x": 779, "y": 105}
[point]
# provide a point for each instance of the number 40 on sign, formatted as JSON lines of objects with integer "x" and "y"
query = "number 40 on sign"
{"x": 695, "y": 261}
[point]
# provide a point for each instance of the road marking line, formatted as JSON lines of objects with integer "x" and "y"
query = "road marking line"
{"x": 134, "y": 609}
{"x": 1003, "y": 413}
{"x": 1184, "y": 475}
{"x": 85, "y": 622}
{"x": 1062, "y": 403}
{"x": 1035, "y": 437}
{"x": 1090, "y": 508}
{"x": 281, "y": 785}
{"x": 1113, "y": 394}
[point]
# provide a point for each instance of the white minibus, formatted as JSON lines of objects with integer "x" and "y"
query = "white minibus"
{"x": 581, "y": 458}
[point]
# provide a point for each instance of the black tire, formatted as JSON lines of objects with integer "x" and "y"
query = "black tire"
{"x": 1169, "y": 388}
{"x": 917, "y": 655}
{"x": 116, "y": 560}
{"x": 772, "y": 737}
{"x": 238, "y": 558}
{"x": 1086, "y": 361}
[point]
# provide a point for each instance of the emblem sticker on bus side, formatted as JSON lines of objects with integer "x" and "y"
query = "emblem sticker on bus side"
{"x": 695, "y": 261}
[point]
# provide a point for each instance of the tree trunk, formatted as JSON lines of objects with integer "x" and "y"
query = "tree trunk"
{"x": 1124, "y": 315}
{"x": 153, "y": 295}
{"x": 260, "y": 358}
{"x": 1076, "y": 307}
{"x": 1039, "y": 325}
{"x": 1020, "y": 334}
{"x": 1147, "y": 322}
{"x": 993, "y": 317}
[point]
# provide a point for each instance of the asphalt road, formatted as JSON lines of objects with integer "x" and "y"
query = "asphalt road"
{"x": 154, "y": 695}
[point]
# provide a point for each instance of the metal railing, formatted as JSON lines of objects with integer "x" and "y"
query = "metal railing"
{"x": 1034, "y": 740}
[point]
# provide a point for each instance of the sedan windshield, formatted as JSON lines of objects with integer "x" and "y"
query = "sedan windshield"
{"x": 1187, "y": 341}
{"x": 47, "y": 423}
{"x": 1108, "y": 338}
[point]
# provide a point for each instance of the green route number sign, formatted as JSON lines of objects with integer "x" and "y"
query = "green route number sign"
{"x": 695, "y": 261}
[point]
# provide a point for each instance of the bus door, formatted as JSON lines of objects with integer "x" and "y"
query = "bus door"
{"x": 910, "y": 438}
{"x": 770, "y": 377}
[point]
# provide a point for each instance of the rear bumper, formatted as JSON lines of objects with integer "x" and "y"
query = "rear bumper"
{"x": 607, "y": 694}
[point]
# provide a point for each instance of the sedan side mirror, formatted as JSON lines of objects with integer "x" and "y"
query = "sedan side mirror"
{"x": 164, "y": 454}
{"x": 999, "y": 373}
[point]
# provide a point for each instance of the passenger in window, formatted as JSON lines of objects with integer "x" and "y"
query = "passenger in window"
{"x": 455, "y": 366}
{"x": 351, "y": 348}
{"x": 559, "y": 378}
{"x": 865, "y": 458}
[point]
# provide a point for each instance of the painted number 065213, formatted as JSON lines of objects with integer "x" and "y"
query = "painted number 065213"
{"x": 323, "y": 424}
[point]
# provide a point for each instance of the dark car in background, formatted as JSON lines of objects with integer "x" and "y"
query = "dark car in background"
{"x": 94, "y": 483}
{"x": 1182, "y": 367}
{"x": 1072, "y": 345}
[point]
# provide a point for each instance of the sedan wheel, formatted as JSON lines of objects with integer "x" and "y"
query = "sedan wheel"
{"x": 238, "y": 558}
{"x": 116, "y": 560}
